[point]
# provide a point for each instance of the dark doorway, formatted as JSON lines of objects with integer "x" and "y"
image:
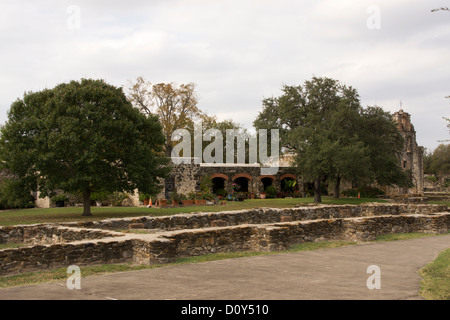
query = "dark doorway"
{"x": 169, "y": 186}
{"x": 218, "y": 185}
{"x": 288, "y": 185}
{"x": 266, "y": 183}
{"x": 242, "y": 184}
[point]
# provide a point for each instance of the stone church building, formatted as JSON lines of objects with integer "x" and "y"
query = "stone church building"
{"x": 186, "y": 178}
{"x": 412, "y": 154}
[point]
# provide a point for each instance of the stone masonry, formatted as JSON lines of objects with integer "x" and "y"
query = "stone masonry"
{"x": 170, "y": 237}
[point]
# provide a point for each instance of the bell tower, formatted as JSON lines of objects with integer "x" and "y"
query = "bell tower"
{"x": 412, "y": 155}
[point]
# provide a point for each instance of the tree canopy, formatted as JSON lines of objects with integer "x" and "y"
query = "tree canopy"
{"x": 175, "y": 105}
{"x": 332, "y": 136}
{"x": 82, "y": 137}
{"x": 438, "y": 161}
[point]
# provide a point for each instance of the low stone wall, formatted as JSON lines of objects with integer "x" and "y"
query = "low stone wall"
{"x": 260, "y": 216}
{"x": 247, "y": 230}
{"x": 63, "y": 255}
{"x": 48, "y": 234}
{"x": 280, "y": 236}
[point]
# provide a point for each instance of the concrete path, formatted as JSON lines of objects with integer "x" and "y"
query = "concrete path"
{"x": 339, "y": 273}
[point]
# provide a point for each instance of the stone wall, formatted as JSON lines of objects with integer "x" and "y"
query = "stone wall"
{"x": 186, "y": 178}
{"x": 63, "y": 255}
{"x": 177, "y": 236}
{"x": 279, "y": 236}
{"x": 412, "y": 154}
{"x": 259, "y": 216}
{"x": 47, "y": 234}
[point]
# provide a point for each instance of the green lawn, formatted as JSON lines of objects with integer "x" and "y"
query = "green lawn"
{"x": 447, "y": 203}
{"x": 436, "y": 278}
{"x": 52, "y": 215}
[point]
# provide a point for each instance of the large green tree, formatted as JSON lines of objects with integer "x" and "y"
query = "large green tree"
{"x": 384, "y": 143}
{"x": 332, "y": 136}
{"x": 82, "y": 137}
{"x": 439, "y": 161}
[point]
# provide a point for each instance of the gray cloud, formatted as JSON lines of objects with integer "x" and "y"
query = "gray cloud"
{"x": 237, "y": 52}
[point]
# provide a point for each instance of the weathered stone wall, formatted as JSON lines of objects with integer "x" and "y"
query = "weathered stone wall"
{"x": 186, "y": 178}
{"x": 259, "y": 216}
{"x": 196, "y": 234}
{"x": 412, "y": 154}
{"x": 45, "y": 234}
{"x": 274, "y": 237}
{"x": 64, "y": 255}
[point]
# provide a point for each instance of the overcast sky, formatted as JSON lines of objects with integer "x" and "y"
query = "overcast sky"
{"x": 237, "y": 52}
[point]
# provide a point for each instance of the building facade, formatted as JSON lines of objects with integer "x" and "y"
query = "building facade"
{"x": 412, "y": 154}
{"x": 187, "y": 178}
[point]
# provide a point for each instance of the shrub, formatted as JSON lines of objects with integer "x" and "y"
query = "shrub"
{"x": 206, "y": 184}
{"x": 59, "y": 198}
{"x": 271, "y": 192}
{"x": 99, "y": 196}
{"x": 447, "y": 183}
{"x": 14, "y": 195}
{"x": 175, "y": 197}
{"x": 221, "y": 193}
{"x": 144, "y": 196}
{"x": 116, "y": 198}
{"x": 364, "y": 192}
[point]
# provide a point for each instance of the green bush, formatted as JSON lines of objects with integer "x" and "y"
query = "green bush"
{"x": 221, "y": 193}
{"x": 99, "y": 196}
{"x": 59, "y": 197}
{"x": 271, "y": 192}
{"x": 175, "y": 197}
{"x": 364, "y": 192}
{"x": 14, "y": 195}
{"x": 447, "y": 183}
{"x": 116, "y": 198}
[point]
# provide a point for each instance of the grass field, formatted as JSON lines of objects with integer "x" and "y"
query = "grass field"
{"x": 69, "y": 214}
{"x": 436, "y": 278}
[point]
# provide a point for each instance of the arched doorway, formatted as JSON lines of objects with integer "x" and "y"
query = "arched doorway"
{"x": 240, "y": 184}
{"x": 288, "y": 186}
{"x": 218, "y": 185}
{"x": 267, "y": 182}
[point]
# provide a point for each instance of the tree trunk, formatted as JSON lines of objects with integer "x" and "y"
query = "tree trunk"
{"x": 317, "y": 192}
{"x": 87, "y": 203}
{"x": 337, "y": 188}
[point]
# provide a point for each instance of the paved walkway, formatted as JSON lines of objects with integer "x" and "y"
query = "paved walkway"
{"x": 339, "y": 273}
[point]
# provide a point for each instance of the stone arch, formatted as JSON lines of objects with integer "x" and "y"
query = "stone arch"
{"x": 288, "y": 175}
{"x": 284, "y": 187}
{"x": 243, "y": 181}
{"x": 219, "y": 181}
{"x": 219, "y": 175}
{"x": 267, "y": 176}
{"x": 266, "y": 181}
{"x": 242, "y": 175}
